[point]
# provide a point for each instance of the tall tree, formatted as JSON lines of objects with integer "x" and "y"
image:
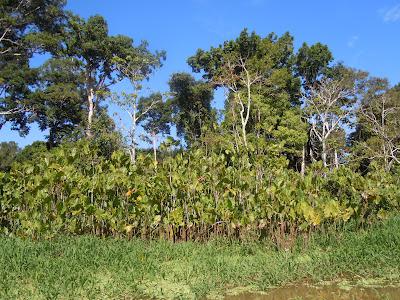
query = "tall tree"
{"x": 262, "y": 103}
{"x": 137, "y": 66}
{"x": 58, "y": 98}
{"x": 157, "y": 120}
{"x": 239, "y": 85}
{"x": 377, "y": 137}
{"x": 312, "y": 62}
{"x": 89, "y": 42}
{"x": 329, "y": 105}
{"x": 26, "y": 27}
{"x": 191, "y": 106}
{"x": 137, "y": 112}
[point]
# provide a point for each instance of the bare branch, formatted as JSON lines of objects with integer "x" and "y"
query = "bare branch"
{"x": 381, "y": 120}
{"x": 237, "y": 84}
{"x": 327, "y": 104}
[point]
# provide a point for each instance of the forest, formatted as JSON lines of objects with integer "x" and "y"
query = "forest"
{"x": 305, "y": 145}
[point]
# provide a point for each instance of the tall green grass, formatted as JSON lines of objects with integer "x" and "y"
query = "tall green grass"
{"x": 94, "y": 268}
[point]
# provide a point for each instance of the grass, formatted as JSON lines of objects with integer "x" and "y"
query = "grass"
{"x": 93, "y": 268}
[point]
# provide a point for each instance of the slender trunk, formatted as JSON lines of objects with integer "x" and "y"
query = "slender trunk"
{"x": 303, "y": 162}
{"x": 132, "y": 150}
{"x": 234, "y": 128}
{"x": 244, "y": 134}
{"x": 324, "y": 153}
{"x": 248, "y": 109}
{"x": 132, "y": 154}
{"x": 336, "y": 160}
{"x": 244, "y": 123}
{"x": 90, "y": 98}
{"x": 154, "y": 136}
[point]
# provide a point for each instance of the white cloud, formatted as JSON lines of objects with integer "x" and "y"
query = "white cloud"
{"x": 391, "y": 14}
{"x": 352, "y": 41}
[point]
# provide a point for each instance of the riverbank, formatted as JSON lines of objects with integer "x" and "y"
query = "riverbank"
{"x": 94, "y": 268}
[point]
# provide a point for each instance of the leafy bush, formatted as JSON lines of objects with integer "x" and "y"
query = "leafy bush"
{"x": 74, "y": 190}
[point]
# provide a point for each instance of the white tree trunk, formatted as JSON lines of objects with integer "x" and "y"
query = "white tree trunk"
{"x": 303, "y": 162}
{"x": 132, "y": 134}
{"x": 90, "y": 99}
{"x": 154, "y": 138}
{"x": 244, "y": 134}
{"x": 336, "y": 160}
{"x": 132, "y": 154}
{"x": 324, "y": 153}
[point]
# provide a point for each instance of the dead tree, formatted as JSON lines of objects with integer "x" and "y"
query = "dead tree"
{"x": 383, "y": 121}
{"x": 130, "y": 104}
{"x": 328, "y": 106}
{"x": 237, "y": 78}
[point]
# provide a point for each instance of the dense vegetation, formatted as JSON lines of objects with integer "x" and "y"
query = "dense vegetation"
{"x": 92, "y": 268}
{"x": 190, "y": 195}
{"x": 302, "y": 144}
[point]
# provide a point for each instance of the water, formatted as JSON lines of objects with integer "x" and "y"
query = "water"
{"x": 332, "y": 292}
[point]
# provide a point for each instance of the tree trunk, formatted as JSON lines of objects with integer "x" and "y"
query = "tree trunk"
{"x": 132, "y": 150}
{"x": 234, "y": 128}
{"x": 336, "y": 160}
{"x": 90, "y": 98}
{"x": 303, "y": 162}
{"x": 154, "y": 137}
{"x": 324, "y": 153}
{"x": 312, "y": 155}
{"x": 244, "y": 134}
{"x": 132, "y": 154}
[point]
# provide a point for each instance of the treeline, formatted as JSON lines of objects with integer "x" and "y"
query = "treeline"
{"x": 302, "y": 141}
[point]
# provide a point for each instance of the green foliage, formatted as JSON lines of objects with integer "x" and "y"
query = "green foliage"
{"x": 377, "y": 134}
{"x": 8, "y": 152}
{"x": 106, "y": 139}
{"x": 236, "y": 178}
{"x": 313, "y": 61}
{"x": 157, "y": 117}
{"x": 32, "y": 153}
{"x": 274, "y": 125}
{"x": 27, "y": 27}
{"x": 58, "y": 101}
{"x": 190, "y": 196}
{"x": 104, "y": 60}
{"x": 191, "y": 106}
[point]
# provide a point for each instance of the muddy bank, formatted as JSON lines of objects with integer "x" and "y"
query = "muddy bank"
{"x": 325, "y": 292}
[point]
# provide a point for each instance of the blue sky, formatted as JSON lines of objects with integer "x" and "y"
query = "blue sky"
{"x": 362, "y": 34}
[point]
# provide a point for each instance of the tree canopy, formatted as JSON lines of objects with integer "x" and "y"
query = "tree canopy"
{"x": 26, "y": 28}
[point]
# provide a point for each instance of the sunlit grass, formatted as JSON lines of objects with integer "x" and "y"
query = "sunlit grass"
{"x": 90, "y": 267}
